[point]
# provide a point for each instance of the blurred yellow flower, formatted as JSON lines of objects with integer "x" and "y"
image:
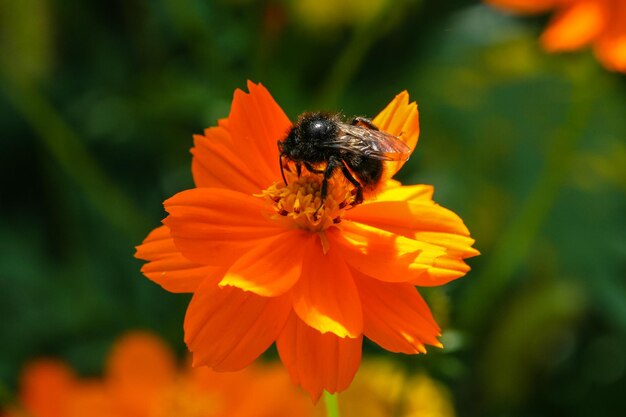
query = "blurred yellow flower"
{"x": 328, "y": 14}
{"x": 382, "y": 389}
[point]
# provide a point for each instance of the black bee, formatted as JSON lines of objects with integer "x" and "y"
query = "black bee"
{"x": 358, "y": 149}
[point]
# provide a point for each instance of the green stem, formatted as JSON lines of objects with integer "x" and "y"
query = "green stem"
{"x": 515, "y": 243}
{"x": 332, "y": 404}
{"x": 5, "y": 396}
{"x": 69, "y": 151}
{"x": 353, "y": 54}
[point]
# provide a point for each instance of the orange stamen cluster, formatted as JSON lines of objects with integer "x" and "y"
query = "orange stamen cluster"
{"x": 301, "y": 201}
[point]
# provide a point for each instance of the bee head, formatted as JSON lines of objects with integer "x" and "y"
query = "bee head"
{"x": 306, "y": 138}
{"x": 316, "y": 127}
{"x": 289, "y": 146}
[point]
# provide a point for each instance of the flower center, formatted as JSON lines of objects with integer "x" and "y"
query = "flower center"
{"x": 301, "y": 201}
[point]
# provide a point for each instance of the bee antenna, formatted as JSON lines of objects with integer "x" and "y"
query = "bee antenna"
{"x": 282, "y": 170}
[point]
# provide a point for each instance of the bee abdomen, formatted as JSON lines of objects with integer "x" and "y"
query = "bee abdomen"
{"x": 368, "y": 171}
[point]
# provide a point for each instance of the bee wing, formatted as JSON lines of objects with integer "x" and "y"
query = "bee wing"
{"x": 374, "y": 144}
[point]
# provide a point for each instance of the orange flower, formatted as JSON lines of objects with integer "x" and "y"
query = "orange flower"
{"x": 577, "y": 23}
{"x": 266, "y": 264}
{"x": 142, "y": 380}
{"x": 49, "y": 388}
{"x": 44, "y": 386}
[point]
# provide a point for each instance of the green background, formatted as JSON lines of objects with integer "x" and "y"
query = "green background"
{"x": 98, "y": 101}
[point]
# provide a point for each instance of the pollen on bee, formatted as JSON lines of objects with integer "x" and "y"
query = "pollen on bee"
{"x": 300, "y": 200}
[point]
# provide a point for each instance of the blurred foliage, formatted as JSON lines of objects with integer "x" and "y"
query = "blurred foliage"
{"x": 98, "y": 101}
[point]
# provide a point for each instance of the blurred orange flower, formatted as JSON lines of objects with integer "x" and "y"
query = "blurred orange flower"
{"x": 266, "y": 264}
{"x": 577, "y": 23}
{"x": 44, "y": 387}
{"x": 142, "y": 380}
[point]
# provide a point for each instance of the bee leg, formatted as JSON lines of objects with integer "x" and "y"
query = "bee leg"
{"x": 312, "y": 170}
{"x": 363, "y": 121}
{"x": 331, "y": 167}
{"x": 358, "y": 198}
{"x": 282, "y": 169}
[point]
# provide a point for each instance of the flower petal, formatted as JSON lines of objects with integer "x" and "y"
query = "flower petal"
{"x": 268, "y": 392}
{"x": 216, "y": 163}
{"x": 408, "y": 217}
{"x": 444, "y": 270}
{"x": 140, "y": 357}
{"x": 168, "y": 267}
{"x": 400, "y": 118}
{"x": 216, "y": 226}
{"x": 325, "y": 297}
{"x": 318, "y": 361}
{"x": 256, "y": 123}
{"x": 96, "y": 398}
{"x": 457, "y": 245}
{"x": 272, "y": 267}
{"x": 396, "y": 317}
{"x": 610, "y": 47}
{"x": 139, "y": 368}
{"x": 424, "y": 221}
{"x": 45, "y": 385}
{"x": 575, "y": 26}
{"x": 394, "y": 191}
{"x": 227, "y": 328}
{"x": 383, "y": 255}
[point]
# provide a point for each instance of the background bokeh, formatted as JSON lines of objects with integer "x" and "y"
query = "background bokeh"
{"x": 98, "y": 101}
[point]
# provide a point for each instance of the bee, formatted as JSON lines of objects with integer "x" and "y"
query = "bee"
{"x": 358, "y": 149}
